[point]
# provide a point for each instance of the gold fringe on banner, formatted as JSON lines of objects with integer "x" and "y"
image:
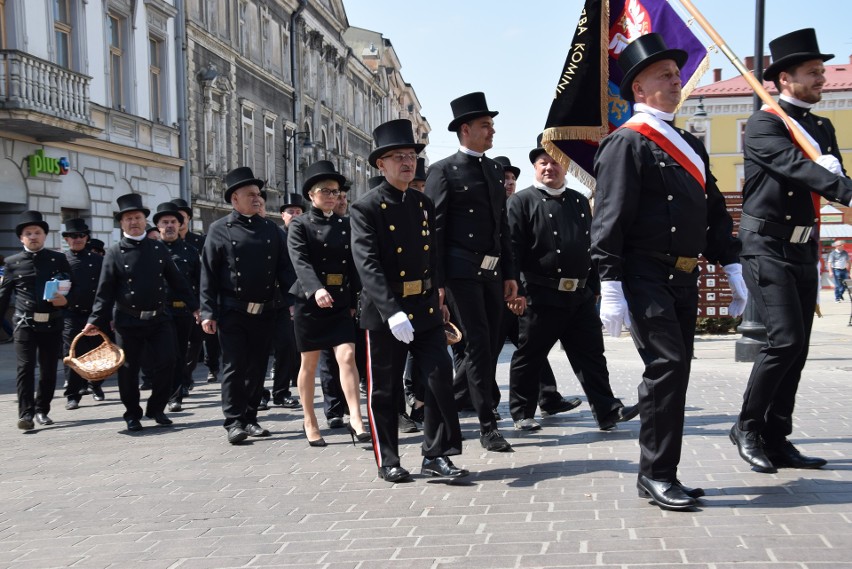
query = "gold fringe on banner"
{"x": 690, "y": 86}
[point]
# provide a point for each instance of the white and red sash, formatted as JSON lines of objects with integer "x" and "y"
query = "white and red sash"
{"x": 809, "y": 138}
{"x": 667, "y": 138}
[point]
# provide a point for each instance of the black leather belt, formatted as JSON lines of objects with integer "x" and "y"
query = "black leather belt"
{"x": 791, "y": 233}
{"x": 684, "y": 264}
{"x": 39, "y": 317}
{"x": 247, "y": 307}
{"x": 412, "y": 288}
{"x": 140, "y": 314}
{"x": 563, "y": 285}
{"x": 485, "y": 262}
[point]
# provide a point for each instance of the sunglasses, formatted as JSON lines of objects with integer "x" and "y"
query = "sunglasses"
{"x": 75, "y": 235}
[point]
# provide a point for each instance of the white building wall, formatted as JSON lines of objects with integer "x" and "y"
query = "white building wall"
{"x": 96, "y": 51}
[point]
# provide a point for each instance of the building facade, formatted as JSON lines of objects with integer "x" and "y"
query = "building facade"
{"x": 87, "y": 110}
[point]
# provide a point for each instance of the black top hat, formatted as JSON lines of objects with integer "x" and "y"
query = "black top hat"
{"x": 468, "y": 107}
{"x": 321, "y": 170}
{"x": 96, "y": 245}
{"x": 130, "y": 202}
{"x": 182, "y": 205}
{"x": 392, "y": 135}
{"x": 420, "y": 171}
{"x": 539, "y": 149}
{"x": 507, "y": 165}
{"x": 642, "y": 52}
{"x": 149, "y": 228}
{"x": 31, "y": 217}
{"x": 294, "y": 201}
{"x": 792, "y": 49}
{"x": 75, "y": 225}
{"x": 375, "y": 182}
{"x": 167, "y": 208}
{"x": 239, "y": 177}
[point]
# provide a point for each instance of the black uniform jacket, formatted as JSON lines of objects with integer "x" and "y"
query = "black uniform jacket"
{"x": 196, "y": 240}
{"x": 470, "y": 216}
{"x": 134, "y": 276}
{"x": 25, "y": 275}
{"x": 86, "y": 272}
{"x": 779, "y": 180}
{"x": 550, "y": 239}
{"x": 187, "y": 259}
{"x": 242, "y": 258}
{"x": 645, "y": 200}
{"x": 320, "y": 252}
{"x": 393, "y": 242}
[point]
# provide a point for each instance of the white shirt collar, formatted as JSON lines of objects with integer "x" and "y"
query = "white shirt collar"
{"x": 662, "y": 115}
{"x": 795, "y": 102}
{"x": 132, "y": 238}
{"x": 471, "y": 152}
{"x": 550, "y": 191}
{"x": 28, "y": 250}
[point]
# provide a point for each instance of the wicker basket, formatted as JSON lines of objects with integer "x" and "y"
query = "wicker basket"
{"x": 97, "y": 364}
{"x": 454, "y": 335}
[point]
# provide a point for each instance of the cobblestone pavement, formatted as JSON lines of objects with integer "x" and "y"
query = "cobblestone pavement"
{"x": 85, "y": 493}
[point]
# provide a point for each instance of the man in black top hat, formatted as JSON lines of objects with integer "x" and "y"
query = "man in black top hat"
{"x": 85, "y": 272}
{"x": 476, "y": 261}
{"x": 244, "y": 255}
{"x": 550, "y": 225}
{"x": 187, "y": 331}
{"x": 781, "y": 248}
{"x": 190, "y": 237}
{"x": 657, "y": 208}
{"x": 97, "y": 246}
{"x": 132, "y": 295}
{"x": 395, "y": 253}
{"x": 37, "y": 320}
{"x": 510, "y": 174}
{"x": 419, "y": 181}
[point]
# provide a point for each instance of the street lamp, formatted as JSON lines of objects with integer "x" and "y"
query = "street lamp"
{"x": 288, "y": 138}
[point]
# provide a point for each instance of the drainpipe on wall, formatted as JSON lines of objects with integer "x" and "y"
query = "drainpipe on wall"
{"x": 295, "y": 73}
{"x": 182, "y": 99}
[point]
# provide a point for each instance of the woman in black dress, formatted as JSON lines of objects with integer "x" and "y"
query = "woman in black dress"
{"x": 325, "y": 291}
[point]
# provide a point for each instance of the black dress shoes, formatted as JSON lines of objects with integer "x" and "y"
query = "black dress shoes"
{"x": 691, "y": 492}
{"x": 97, "y": 391}
{"x": 442, "y": 466}
{"x": 667, "y": 495}
{"x": 43, "y": 419}
{"x": 785, "y": 455}
{"x": 336, "y": 423}
{"x": 236, "y": 435}
{"x": 494, "y": 441}
{"x": 619, "y": 415}
{"x": 561, "y": 406}
{"x": 134, "y": 425}
{"x": 160, "y": 418}
{"x": 750, "y": 446}
{"x": 25, "y": 423}
{"x": 393, "y": 473}
{"x": 255, "y": 430}
{"x": 264, "y": 401}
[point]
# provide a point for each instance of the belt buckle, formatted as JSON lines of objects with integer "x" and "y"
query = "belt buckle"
{"x": 41, "y": 317}
{"x": 334, "y": 280}
{"x": 801, "y": 234}
{"x": 489, "y": 262}
{"x": 686, "y": 264}
{"x": 147, "y": 314}
{"x": 254, "y": 307}
{"x": 568, "y": 285}
{"x": 412, "y": 288}
{"x": 179, "y": 304}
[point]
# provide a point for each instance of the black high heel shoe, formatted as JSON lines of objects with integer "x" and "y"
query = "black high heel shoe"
{"x": 362, "y": 437}
{"x": 320, "y": 442}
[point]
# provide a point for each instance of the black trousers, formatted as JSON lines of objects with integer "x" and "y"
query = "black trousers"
{"x": 578, "y": 329}
{"x": 245, "y": 341}
{"x": 478, "y": 306}
{"x": 75, "y": 322}
{"x": 663, "y": 330}
{"x": 334, "y": 403}
{"x": 286, "y": 358}
{"x": 212, "y": 352}
{"x": 41, "y": 347}
{"x": 548, "y": 394}
{"x": 193, "y": 351}
{"x": 784, "y": 294}
{"x": 155, "y": 343}
{"x": 386, "y": 359}
{"x": 185, "y": 326}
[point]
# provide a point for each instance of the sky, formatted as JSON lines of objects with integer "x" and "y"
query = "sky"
{"x": 514, "y": 51}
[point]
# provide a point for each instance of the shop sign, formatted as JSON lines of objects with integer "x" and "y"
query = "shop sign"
{"x": 41, "y": 164}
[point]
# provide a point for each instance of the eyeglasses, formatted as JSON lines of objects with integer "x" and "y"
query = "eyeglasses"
{"x": 328, "y": 192}
{"x": 75, "y": 235}
{"x": 400, "y": 157}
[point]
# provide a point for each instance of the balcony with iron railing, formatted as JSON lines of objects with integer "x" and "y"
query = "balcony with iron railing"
{"x": 41, "y": 99}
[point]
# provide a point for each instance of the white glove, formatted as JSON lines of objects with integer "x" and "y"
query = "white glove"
{"x": 401, "y": 327}
{"x": 738, "y": 289}
{"x": 614, "y": 313}
{"x": 830, "y": 163}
